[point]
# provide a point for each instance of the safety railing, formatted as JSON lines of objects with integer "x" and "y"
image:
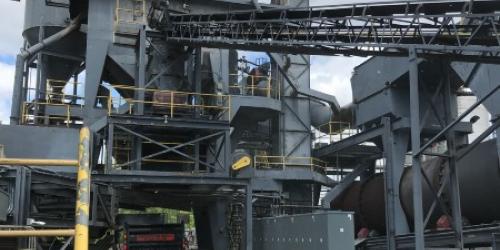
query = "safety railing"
{"x": 31, "y": 240}
{"x": 264, "y": 162}
{"x": 29, "y": 113}
{"x": 333, "y": 131}
{"x": 173, "y": 103}
{"x": 134, "y": 14}
{"x": 81, "y": 230}
{"x": 251, "y": 85}
{"x": 55, "y": 91}
{"x": 53, "y": 96}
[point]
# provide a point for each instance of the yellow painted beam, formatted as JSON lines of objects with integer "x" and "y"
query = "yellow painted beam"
{"x": 38, "y": 162}
{"x": 83, "y": 195}
{"x": 37, "y": 233}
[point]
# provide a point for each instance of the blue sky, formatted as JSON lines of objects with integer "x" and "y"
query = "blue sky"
{"x": 328, "y": 74}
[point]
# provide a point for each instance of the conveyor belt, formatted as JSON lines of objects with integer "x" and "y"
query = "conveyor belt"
{"x": 451, "y": 28}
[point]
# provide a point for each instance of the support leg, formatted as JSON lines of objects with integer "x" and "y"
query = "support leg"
{"x": 453, "y": 175}
{"x": 248, "y": 218}
{"x": 415, "y": 141}
{"x": 395, "y": 147}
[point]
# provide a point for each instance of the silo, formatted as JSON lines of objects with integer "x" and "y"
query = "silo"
{"x": 61, "y": 59}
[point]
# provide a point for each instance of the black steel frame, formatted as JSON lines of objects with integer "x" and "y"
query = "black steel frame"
{"x": 450, "y": 28}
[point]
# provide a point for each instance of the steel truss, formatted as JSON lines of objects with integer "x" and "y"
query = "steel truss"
{"x": 451, "y": 28}
{"x": 212, "y": 131}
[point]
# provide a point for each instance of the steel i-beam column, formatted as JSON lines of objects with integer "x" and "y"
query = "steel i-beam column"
{"x": 415, "y": 146}
{"x": 99, "y": 36}
{"x": 140, "y": 81}
{"x": 197, "y": 89}
{"x": 453, "y": 175}
{"x": 395, "y": 146}
{"x": 109, "y": 148}
{"x": 248, "y": 218}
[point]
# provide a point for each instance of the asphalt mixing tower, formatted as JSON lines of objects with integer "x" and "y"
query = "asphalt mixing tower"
{"x": 155, "y": 103}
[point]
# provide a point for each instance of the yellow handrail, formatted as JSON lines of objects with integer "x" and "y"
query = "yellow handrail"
{"x": 334, "y": 130}
{"x": 285, "y": 161}
{"x": 37, "y": 233}
{"x": 67, "y": 117}
{"x": 80, "y": 231}
{"x": 38, "y": 162}
{"x": 253, "y": 87}
{"x": 221, "y": 102}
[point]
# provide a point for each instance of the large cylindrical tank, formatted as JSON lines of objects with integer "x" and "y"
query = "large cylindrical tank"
{"x": 349, "y": 201}
{"x": 435, "y": 170}
{"x": 371, "y": 206}
{"x": 52, "y": 19}
{"x": 479, "y": 181}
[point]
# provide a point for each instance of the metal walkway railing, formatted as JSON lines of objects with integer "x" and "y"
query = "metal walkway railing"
{"x": 81, "y": 230}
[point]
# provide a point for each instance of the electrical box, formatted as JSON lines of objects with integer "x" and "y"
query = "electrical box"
{"x": 332, "y": 230}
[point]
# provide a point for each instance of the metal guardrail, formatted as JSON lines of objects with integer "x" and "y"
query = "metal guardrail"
{"x": 177, "y": 103}
{"x": 54, "y": 92}
{"x": 27, "y": 116}
{"x": 253, "y": 88}
{"x": 81, "y": 231}
{"x": 31, "y": 241}
{"x": 333, "y": 131}
{"x": 283, "y": 162}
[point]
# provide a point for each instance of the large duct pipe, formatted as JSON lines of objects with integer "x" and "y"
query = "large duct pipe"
{"x": 479, "y": 181}
{"x": 25, "y": 54}
{"x": 321, "y": 115}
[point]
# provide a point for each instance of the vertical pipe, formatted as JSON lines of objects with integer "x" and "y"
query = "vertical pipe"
{"x": 83, "y": 196}
{"x": 415, "y": 146}
{"x": 17, "y": 91}
{"x": 38, "y": 84}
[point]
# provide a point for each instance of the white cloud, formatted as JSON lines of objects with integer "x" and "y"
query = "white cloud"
{"x": 11, "y": 25}
{"x": 6, "y": 82}
{"x": 332, "y": 75}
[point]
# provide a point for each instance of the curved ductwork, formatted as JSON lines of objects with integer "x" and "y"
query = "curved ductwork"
{"x": 321, "y": 114}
